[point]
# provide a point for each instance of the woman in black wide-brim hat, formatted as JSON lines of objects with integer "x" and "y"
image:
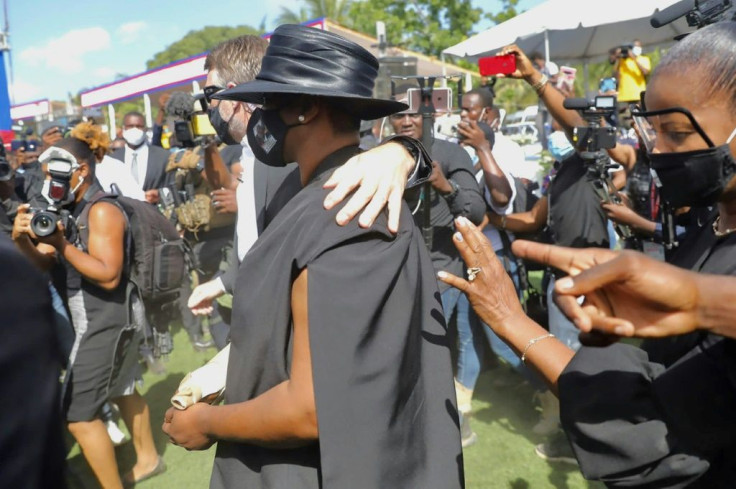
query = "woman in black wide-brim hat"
{"x": 339, "y": 372}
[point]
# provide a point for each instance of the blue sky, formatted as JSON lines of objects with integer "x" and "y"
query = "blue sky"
{"x": 64, "y": 46}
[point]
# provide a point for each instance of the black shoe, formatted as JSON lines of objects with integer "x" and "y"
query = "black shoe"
{"x": 557, "y": 449}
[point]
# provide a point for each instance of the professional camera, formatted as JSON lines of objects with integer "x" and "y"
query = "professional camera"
{"x": 191, "y": 123}
{"x": 625, "y": 48}
{"x": 592, "y": 140}
{"x": 6, "y": 171}
{"x": 61, "y": 164}
{"x": 698, "y": 13}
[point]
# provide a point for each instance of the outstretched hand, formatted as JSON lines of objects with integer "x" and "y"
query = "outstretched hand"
{"x": 626, "y": 293}
{"x": 380, "y": 177}
{"x": 524, "y": 67}
{"x": 491, "y": 293}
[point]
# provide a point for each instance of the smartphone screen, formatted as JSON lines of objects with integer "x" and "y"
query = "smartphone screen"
{"x": 441, "y": 99}
{"x": 497, "y": 65}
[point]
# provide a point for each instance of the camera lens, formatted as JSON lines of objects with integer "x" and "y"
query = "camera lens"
{"x": 43, "y": 224}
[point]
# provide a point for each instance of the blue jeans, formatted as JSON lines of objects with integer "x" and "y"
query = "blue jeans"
{"x": 563, "y": 329}
{"x": 473, "y": 332}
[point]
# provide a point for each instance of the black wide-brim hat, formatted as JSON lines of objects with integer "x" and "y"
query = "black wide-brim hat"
{"x": 307, "y": 61}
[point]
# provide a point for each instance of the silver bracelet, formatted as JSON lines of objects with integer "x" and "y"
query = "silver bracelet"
{"x": 532, "y": 342}
{"x": 540, "y": 84}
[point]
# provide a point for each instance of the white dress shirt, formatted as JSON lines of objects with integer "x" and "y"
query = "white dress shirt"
{"x": 141, "y": 159}
{"x": 246, "y": 226}
{"x": 110, "y": 171}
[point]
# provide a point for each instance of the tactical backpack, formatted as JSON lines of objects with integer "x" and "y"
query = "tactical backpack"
{"x": 155, "y": 255}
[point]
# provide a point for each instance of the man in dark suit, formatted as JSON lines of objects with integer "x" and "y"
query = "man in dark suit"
{"x": 146, "y": 163}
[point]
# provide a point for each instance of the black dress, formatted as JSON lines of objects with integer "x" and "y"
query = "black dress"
{"x": 380, "y": 359}
{"x": 664, "y": 415}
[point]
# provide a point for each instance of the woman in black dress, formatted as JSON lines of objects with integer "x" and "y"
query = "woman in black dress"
{"x": 339, "y": 372}
{"x": 661, "y": 416}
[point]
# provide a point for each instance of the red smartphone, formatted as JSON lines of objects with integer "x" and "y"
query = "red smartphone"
{"x": 497, "y": 65}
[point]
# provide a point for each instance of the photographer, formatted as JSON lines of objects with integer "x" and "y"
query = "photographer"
{"x": 571, "y": 210}
{"x": 104, "y": 309}
{"x": 631, "y": 69}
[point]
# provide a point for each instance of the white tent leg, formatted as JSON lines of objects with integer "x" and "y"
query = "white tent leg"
{"x": 546, "y": 46}
{"x": 147, "y": 110}
{"x": 111, "y": 118}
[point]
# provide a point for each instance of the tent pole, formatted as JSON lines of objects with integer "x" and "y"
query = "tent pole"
{"x": 546, "y": 46}
{"x": 147, "y": 110}
{"x": 111, "y": 117}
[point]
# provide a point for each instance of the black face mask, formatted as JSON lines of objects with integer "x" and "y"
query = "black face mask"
{"x": 221, "y": 126}
{"x": 694, "y": 178}
{"x": 266, "y": 134}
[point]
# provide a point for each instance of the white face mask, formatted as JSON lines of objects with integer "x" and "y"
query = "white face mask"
{"x": 636, "y": 50}
{"x": 134, "y": 136}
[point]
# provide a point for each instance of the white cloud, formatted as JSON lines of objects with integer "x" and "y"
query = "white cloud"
{"x": 66, "y": 53}
{"x": 24, "y": 92}
{"x": 129, "y": 33}
{"x": 104, "y": 73}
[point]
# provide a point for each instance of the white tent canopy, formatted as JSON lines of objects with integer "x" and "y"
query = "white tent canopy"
{"x": 574, "y": 30}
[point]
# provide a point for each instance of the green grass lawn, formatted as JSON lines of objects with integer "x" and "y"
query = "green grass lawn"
{"x": 503, "y": 457}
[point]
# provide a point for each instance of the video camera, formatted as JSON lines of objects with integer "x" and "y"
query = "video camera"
{"x": 698, "y": 13}
{"x": 590, "y": 139}
{"x": 591, "y": 142}
{"x": 625, "y": 48}
{"x": 191, "y": 123}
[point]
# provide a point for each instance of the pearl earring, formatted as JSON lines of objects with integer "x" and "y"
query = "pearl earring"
{"x": 301, "y": 119}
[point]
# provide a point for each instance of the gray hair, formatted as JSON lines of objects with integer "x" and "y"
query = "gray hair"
{"x": 237, "y": 60}
{"x": 710, "y": 51}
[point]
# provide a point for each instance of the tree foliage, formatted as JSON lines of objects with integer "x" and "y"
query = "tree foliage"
{"x": 508, "y": 11}
{"x": 198, "y": 41}
{"x": 336, "y": 10}
{"x": 425, "y": 26}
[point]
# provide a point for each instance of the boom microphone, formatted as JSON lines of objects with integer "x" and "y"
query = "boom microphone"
{"x": 672, "y": 13}
{"x": 180, "y": 105}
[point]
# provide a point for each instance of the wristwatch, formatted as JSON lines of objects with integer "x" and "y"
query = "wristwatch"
{"x": 455, "y": 189}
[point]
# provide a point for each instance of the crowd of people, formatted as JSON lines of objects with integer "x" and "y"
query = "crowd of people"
{"x": 370, "y": 266}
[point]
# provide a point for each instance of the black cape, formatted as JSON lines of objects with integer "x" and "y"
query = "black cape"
{"x": 380, "y": 358}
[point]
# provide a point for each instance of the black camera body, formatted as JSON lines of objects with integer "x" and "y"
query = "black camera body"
{"x": 6, "y": 171}
{"x": 591, "y": 139}
{"x": 43, "y": 222}
{"x": 625, "y": 49}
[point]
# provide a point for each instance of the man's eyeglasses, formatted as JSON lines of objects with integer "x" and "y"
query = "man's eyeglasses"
{"x": 209, "y": 91}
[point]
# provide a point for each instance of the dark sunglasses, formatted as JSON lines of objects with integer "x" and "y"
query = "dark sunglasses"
{"x": 209, "y": 91}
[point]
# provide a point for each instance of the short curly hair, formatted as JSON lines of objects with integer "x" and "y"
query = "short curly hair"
{"x": 92, "y": 134}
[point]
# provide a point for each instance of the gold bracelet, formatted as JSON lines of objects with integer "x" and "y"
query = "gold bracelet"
{"x": 532, "y": 342}
{"x": 540, "y": 84}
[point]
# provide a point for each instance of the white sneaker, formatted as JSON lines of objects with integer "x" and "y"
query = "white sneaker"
{"x": 115, "y": 433}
